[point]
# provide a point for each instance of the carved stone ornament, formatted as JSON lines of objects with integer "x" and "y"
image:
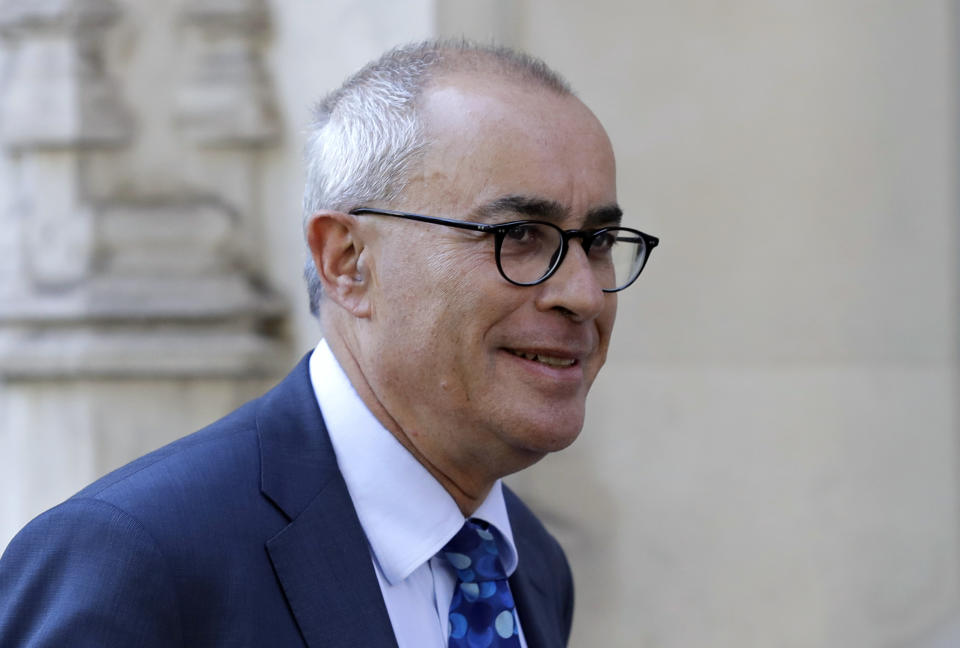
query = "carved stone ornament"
{"x": 244, "y": 16}
{"x": 226, "y": 98}
{"x": 106, "y": 286}
{"x": 59, "y": 15}
{"x": 163, "y": 297}
{"x": 58, "y": 94}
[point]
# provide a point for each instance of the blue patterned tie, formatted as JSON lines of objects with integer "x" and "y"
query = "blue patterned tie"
{"x": 482, "y": 612}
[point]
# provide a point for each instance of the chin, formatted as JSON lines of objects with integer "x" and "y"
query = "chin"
{"x": 549, "y": 436}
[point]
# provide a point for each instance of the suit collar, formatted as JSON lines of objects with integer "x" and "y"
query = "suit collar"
{"x": 321, "y": 558}
{"x": 296, "y": 458}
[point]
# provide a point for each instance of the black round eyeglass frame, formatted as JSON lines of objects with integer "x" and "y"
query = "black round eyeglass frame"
{"x": 499, "y": 230}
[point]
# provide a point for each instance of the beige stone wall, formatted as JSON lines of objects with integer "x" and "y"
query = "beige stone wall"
{"x": 771, "y": 454}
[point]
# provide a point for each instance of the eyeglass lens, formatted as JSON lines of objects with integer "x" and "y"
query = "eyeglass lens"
{"x": 529, "y": 251}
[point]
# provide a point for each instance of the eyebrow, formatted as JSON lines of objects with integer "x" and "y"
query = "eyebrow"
{"x": 606, "y": 216}
{"x": 546, "y": 210}
{"x": 528, "y": 206}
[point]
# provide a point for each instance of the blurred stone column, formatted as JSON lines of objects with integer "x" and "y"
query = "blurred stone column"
{"x": 128, "y": 317}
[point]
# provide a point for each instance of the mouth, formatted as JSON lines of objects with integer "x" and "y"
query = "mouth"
{"x": 542, "y": 358}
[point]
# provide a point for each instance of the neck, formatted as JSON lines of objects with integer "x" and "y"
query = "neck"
{"x": 467, "y": 491}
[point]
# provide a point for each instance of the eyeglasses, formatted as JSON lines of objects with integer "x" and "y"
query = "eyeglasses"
{"x": 528, "y": 252}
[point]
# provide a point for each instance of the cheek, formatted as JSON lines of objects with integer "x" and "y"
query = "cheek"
{"x": 464, "y": 290}
{"x": 441, "y": 306}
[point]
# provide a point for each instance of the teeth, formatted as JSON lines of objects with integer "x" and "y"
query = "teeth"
{"x": 554, "y": 362}
{"x": 547, "y": 360}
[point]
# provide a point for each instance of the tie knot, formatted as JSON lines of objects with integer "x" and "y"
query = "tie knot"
{"x": 474, "y": 554}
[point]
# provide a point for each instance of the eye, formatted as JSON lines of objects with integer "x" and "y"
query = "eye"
{"x": 521, "y": 233}
{"x": 603, "y": 241}
{"x": 526, "y": 236}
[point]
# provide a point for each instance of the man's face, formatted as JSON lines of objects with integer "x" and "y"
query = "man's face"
{"x": 477, "y": 372}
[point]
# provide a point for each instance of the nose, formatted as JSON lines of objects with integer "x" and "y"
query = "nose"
{"x": 574, "y": 288}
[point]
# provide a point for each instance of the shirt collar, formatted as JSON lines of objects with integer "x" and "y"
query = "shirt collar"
{"x": 405, "y": 513}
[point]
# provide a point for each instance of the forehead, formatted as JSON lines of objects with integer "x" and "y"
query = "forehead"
{"x": 490, "y": 137}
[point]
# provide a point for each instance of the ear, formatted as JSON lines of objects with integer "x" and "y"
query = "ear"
{"x": 339, "y": 256}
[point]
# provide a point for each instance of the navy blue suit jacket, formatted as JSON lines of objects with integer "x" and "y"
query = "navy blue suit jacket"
{"x": 242, "y": 534}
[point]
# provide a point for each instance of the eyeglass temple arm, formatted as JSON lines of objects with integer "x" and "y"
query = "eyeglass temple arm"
{"x": 476, "y": 227}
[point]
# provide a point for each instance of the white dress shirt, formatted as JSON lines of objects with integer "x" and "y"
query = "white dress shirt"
{"x": 405, "y": 513}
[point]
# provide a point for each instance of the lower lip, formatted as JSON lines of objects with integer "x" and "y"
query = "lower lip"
{"x": 570, "y": 375}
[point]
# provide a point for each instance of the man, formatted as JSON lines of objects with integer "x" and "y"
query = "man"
{"x": 465, "y": 255}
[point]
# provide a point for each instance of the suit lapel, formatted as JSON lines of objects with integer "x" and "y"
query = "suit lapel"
{"x": 534, "y": 584}
{"x": 324, "y": 567}
{"x": 529, "y": 597}
{"x": 321, "y": 558}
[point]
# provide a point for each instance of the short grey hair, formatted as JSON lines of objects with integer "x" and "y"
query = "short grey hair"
{"x": 367, "y": 135}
